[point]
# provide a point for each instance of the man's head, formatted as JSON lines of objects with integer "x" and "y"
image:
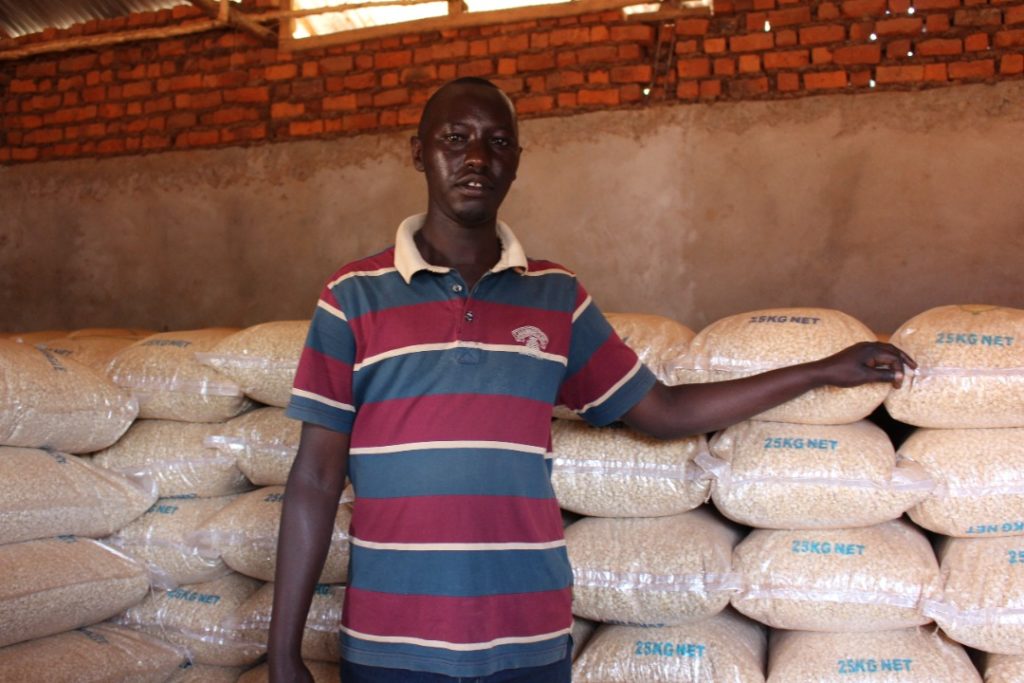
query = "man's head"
{"x": 467, "y": 145}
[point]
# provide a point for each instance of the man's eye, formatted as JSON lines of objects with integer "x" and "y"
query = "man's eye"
{"x": 501, "y": 142}
{"x": 453, "y": 137}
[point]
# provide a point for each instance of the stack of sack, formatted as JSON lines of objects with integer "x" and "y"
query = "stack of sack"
{"x": 966, "y": 400}
{"x": 197, "y": 535}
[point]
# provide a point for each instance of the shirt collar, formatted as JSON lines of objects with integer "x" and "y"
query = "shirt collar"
{"x": 409, "y": 261}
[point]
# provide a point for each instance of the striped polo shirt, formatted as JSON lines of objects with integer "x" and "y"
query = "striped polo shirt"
{"x": 458, "y": 562}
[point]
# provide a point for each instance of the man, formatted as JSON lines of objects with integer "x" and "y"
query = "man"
{"x": 429, "y": 376}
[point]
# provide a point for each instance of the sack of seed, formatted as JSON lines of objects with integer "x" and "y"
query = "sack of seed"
{"x": 320, "y": 639}
{"x": 970, "y": 368}
{"x": 617, "y": 472}
{"x": 1002, "y": 668}
{"x": 161, "y": 539}
{"x": 263, "y": 442}
{"x": 862, "y": 579}
{"x": 651, "y": 570}
{"x": 104, "y": 652}
{"x": 48, "y": 401}
{"x": 245, "y": 533}
{"x": 982, "y": 601}
{"x": 45, "y": 493}
{"x": 758, "y": 341}
{"x": 780, "y": 475}
{"x": 582, "y": 631}
{"x": 53, "y": 585}
{"x": 323, "y": 672}
{"x": 175, "y": 456}
{"x": 190, "y": 672}
{"x": 261, "y": 359}
{"x": 724, "y": 648}
{"x": 979, "y": 475}
{"x": 198, "y": 618}
{"x": 658, "y": 341}
{"x": 911, "y": 655}
{"x": 93, "y": 352}
{"x": 162, "y": 372}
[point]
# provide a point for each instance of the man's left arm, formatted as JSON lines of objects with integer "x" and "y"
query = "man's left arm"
{"x": 687, "y": 409}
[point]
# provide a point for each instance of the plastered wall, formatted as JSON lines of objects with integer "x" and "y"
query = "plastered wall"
{"x": 880, "y": 205}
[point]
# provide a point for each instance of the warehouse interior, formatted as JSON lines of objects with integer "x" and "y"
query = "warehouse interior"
{"x": 181, "y": 177}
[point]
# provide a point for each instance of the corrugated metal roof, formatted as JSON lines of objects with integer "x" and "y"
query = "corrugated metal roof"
{"x": 20, "y": 17}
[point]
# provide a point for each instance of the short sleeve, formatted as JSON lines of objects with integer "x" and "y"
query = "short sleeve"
{"x": 604, "y": 378}
{"x": 322, "y": 392}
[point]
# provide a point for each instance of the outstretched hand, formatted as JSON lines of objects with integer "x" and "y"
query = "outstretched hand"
{"x": 866, "y": 362}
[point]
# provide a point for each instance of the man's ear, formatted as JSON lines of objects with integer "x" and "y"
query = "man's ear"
{"x": 416, "y": 147}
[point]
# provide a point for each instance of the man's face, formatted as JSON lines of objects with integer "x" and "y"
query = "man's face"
{"x": 469, "y": 151}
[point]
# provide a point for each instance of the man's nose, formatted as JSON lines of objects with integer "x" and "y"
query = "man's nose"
{"x": 477, "y": 154}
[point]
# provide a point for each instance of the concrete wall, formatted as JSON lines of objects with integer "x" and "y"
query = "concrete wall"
{"x": 880, "y": 205}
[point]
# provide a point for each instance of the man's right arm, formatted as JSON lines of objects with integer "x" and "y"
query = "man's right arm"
{"x": 311, "y": 497}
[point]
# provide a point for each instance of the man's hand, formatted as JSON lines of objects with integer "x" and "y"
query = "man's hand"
{"x": 863, "y": 363}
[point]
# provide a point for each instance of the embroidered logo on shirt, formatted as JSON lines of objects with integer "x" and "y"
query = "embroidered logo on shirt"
{"x": 532, "y": 337}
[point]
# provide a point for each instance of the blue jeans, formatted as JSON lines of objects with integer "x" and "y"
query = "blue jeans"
{"x": 559, "y": 672}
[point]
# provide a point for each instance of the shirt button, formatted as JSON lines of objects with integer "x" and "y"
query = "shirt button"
{"x": 456, "y": 288}
{"x": 469, "y": 316}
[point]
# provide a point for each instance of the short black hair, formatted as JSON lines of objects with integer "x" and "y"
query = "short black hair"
{"x": 465, "y": 80}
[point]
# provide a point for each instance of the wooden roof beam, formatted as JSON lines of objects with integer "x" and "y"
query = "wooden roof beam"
{"x": 235, "y": 18}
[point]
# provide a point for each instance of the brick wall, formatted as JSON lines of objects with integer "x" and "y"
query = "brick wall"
{"x": 224, "y": 87}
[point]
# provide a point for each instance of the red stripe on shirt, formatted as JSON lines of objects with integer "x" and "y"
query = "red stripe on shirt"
{"x": 606, "y": 366}
{"x": 458, "y": 519}
{"x": 324, "y": 376}
{"x": 457, "y": 619}
{"x": 447, "y": 417}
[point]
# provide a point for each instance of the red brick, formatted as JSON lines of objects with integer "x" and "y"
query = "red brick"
{"x": 337, "y": 65}
{"x": 1014, "y": 15}
{"x": 980, "y": 68}
{"x": 182, "y": 119}
{"x": 576, "y": 35}
{"x": 300, "y": 128}
{"x": 21, "y": 86}
{"x": 857, "y": 54}
{"x": 364, "y": 62}
{"x": 187, "y": 82}
{"x": 787, "y": 82}
{"x": 714, "y": 46}
{"x": 346, "y": 102}
{"x": 899, "y": 7}
{"x": 598, "y": 54}
{"x": 513, "y": 44}
{"x": 693, "y": 68}
{"x": 863, "y": 9}
{"x": 901, "y": 26}
{"x": 535, "y": 104}
{"x": 689, "y": 90}
{"x": 409, "y": 116}
{"x": 1011, "y": 64}
{"x": 630, "y": 52}
{"x": 790, "y": 17}
{"x": 749, "y": 64}
{"x": 111, "y": 110}
{"x": 284, "y": 110}
{"x": 361, "y": 81}
{"x": 390, "y": 98}
{"x": 825, "y": 80}
{"x": 936, "y": 23}
{"x": 281, "y": 72}
{"x": 935, "y": 4}
{"x": 477, "y": 67}
{"x": 748, "y": 87}
{"x": 899, "y": 74}
{"x": 692, "y": 27}
{"x": 785, "y": 38}
{"x": 631, "y": 92}
{"x": 752, "y": 41}
{"x": 642, "y": 33}
{"x": 821, "y": 55}
{"x": 392, "y": 60}
{"x": 897, "y": 49}
{"x": 589, "y": 97}
{"x": 710, "y": 90}
{"x": 138, "y": 89}
{"x": 44, "y": 136}
{"x": 359, "y": 121}
{"x": 157, "y": 105}
{"x": 79, "y": 63}
{"x": 249, "y": 95}
{"x": 935, "y": 72}
{"x": 977, "y": 42}
{"x": 827, "y": 11}
{"x": 24, "y": 153}
{"x": 790, "y": 59}
{"x": 600, "y": 34}
{"x": 567, "y": 100}
{"x": 93, "y": 130}
{"x": 557, "y": 80}
{"x": 155, "y": 142}
{"x": 939, "y": 46}
{"x": 36, "y": 70}
{"x": 39, "y": 102}
{"x": 200, "y": 138}
{"x": 1013, "y": 38}
{"x": 535, "y": 62}
{"x": 980, "y": 16}
{"x": 506, "y": 66}
{"x": 230, "y": 115}
{"x": 640, "y": 73}
{"x": 724, "y": 66}
{"x": 446, "y": 72}
{"x": 29, "y": 121}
